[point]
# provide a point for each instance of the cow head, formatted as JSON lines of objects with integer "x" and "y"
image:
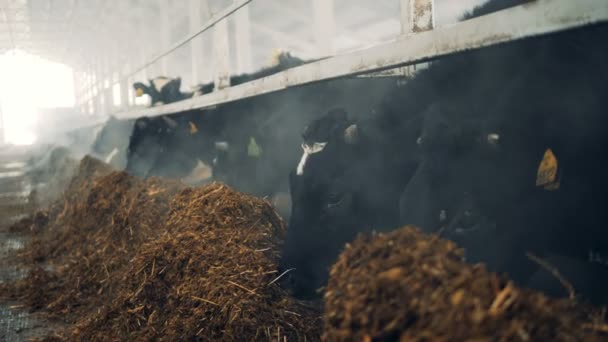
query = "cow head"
{"x": 324, "y": 210}
{"x": 140, "y": 89}
{"x": 161, "y": 90}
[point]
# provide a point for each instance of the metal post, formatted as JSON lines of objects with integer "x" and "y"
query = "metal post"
{"x": 165, "y": 32}
{"x": 144, "y": 48}
{"x": 221, "y": 49}
{"x": 107, "y": 86}
{"x": 77, "y": 80}
{"x": 417, "y": 15}
{"x": 124, "y": 85}
{"x": 2, "y": 130}
{"x": 196, "y": 45}
{"x": 324, "y": 26}
{"x": 98, "y": 90}
{"x": 243, "y": 40}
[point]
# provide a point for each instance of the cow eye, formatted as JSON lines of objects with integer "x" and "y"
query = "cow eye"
{"x": 333, "y": 199}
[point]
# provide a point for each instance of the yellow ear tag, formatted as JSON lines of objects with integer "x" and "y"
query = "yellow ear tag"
{"x": 547, "y": 171}
{"x": 139, "y": 92}
{"x": 253, "y": 150}
{"x": 193, "y": 128}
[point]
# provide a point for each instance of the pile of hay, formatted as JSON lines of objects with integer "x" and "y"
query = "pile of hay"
{"x": 140, "y": 260}
{"x": 89, "y": 235}
{"x": 210, "y": 278}
{"x": 407, "y": 286}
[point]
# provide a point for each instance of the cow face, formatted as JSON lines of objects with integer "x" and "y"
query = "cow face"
{"x": 324, "y": 201}
{"x": 140, "y": 89}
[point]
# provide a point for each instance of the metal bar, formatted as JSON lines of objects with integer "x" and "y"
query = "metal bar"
{"x": 214, "y": 20}
{"x": 124, "y": 94}
{"x": 536, "y": 18}
{"x": 422, "y": 15}
{"x": 165, "y": 32}
{"x": 416, "y": 16}
{"x": 2, "y": 129}
{"x": 196, "y": 46}
{"x": 221, "y": 52}
{"x": 324, "y": 26}
{"x": 243, "y": 40}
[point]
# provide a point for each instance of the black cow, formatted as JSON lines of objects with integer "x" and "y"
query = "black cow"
{"x": 249, "y": 151}
{"x": 111, "y": 142}
{"x": 458, "y": 150}
{"x": 173, "y": 146}
{"x": 166, "y": 146}
{"x": 282, "y": 61}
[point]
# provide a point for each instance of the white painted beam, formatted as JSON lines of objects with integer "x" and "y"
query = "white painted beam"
{"x": 165, "y": 32}
{"x": 417, "y": 15}
{"x": 221, "y": 55}
{"x": 536, "y": 18}
{"x": 324, "y": 26}
{"x": 244, "y": 58}
{"x": 196, "y": 45}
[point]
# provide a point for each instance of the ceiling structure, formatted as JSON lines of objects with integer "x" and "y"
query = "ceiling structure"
{"x": 104, "y": 41}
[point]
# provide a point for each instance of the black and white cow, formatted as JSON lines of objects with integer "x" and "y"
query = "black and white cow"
{"x": 263, "y": 134}
{"x": 162, "y": 90}
{"x": 499, "y": 149}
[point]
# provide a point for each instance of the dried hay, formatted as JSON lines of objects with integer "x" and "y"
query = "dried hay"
{"x": 210, "y": 278}
{"x": 96, "y": 232}
{"x": 140, "y": 260}
{"x": 407, "y": 286}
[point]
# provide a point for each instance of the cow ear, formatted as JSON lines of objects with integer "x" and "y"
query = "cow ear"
{"x": 351, "y": 134}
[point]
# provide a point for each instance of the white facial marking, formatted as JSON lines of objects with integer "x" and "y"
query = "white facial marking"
{"x": 493, "y": 138}
{"x": 172, "y": 123}
{"x": 111, "y": 155}
{"x": 351, "y": 134}
{"x": 159, "y": 82}
{"x": 308, "y": 150}
{"x": 222, "y": 145}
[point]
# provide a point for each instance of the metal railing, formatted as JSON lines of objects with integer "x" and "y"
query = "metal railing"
{"x": 419, "y": 42}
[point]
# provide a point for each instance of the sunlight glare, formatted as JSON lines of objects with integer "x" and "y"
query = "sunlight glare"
{"x": 29, "y": 82}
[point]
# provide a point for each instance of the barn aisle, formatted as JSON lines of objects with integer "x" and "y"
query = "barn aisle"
{"x": 16, "y": 324}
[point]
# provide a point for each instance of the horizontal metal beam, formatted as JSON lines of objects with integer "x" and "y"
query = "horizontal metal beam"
{"x": 532, "y": 19}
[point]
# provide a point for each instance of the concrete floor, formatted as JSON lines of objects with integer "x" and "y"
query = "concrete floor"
{"x": 16, "y": 323}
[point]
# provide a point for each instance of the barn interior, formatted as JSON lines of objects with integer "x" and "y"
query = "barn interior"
{"x": 303, "y": 170}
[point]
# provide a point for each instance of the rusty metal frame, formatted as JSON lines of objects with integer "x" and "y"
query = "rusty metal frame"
{"x": 536, "y": 18}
